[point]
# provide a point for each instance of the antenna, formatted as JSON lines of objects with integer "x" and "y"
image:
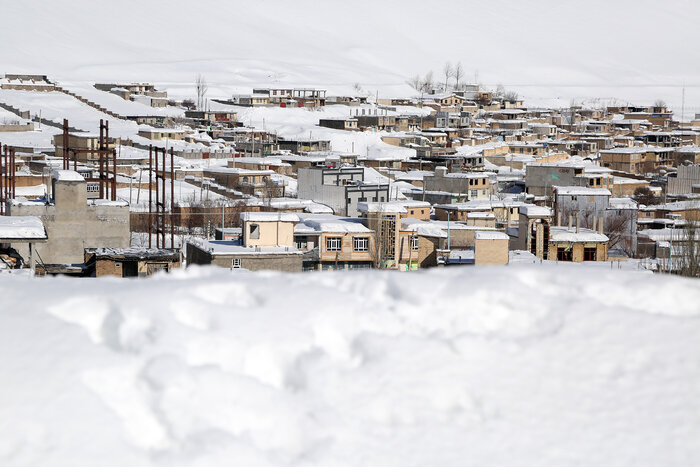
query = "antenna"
{"x": 682, "y": 106}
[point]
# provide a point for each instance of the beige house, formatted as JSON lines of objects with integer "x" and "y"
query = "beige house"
{"x": 490, "y": 247}
{"x": 268, "y": 244}
{"x": 331, "y": 242}
{"x": 268, "y": 228}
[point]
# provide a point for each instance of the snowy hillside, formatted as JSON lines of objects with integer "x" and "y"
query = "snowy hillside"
{"x": 550, "y": 51}
{"x": 210, "y": 368}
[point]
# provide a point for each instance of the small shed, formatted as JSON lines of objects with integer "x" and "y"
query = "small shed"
{"x": 130, "y": 262}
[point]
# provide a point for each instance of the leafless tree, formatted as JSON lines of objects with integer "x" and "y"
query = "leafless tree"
{"x": 500, "y": 91}
{"x": 659, "y": 103}
{"x": 511, "y": 96}
{"x": 447, "y": 72}
{"x": 457, "y": 74}
{"x": 619, "y": 227}
{"x": 643, "y": 195}
{"x": 202, "y": 88}
{"x": 688, "y": 238}
{"x": 415, "y": 82}
{"x": 428, "y": 82}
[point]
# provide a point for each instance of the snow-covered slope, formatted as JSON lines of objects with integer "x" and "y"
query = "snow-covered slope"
{"x": 508, "y": 366}
{"x": 551, "y": 51}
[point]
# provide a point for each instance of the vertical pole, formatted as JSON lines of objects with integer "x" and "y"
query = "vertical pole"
{"x": 14, "y": 170}
{"x": 114, "y": 176}
{"x": 172, "y": 200}
{"x": 448, "y": 230}
{"x": 65, "y": 144}
{"x": 101, "y": 155}
{"x": 150, "y": 193}
{"x": 2, "y": 185}
{"x": 223, "y": 218}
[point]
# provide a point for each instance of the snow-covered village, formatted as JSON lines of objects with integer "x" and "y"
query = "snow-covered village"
{"x": 339, "y": 234}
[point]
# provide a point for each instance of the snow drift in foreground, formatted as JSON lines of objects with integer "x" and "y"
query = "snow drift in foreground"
{"x": 519, "y": 365}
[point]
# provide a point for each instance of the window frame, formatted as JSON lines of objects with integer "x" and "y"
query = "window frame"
{"x": 356, "y": 240}
{"x": 339, "y": 241}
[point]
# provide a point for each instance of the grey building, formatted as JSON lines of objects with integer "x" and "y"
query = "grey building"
{"x": 540, "y": 178}
{"x": 466, "y": 186}
{"x": 582, "y": 201}
{"x": 339, "y": 188}
{"x": 682, "y": 182}
{"x": 73, "y": 222}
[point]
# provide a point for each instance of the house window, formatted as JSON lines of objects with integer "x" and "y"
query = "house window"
{"x": 254, "y": 231}
{"x": 414, "y": 243}
{"x": 564, "y": 254}
{"x": 474, "y": 193}
{"x": 236, "y": 263}
{"x": 361, "y": 244}
{"x": 93, "y": 187}
{"x": 589, "y": 254}
{"x": 333, "y": 244}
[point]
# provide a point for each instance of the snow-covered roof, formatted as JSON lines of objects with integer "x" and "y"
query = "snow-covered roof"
{"x": 269, "y": 217}
{"x": 490, "y": 235}
{"x": 387, "y": 207}
{"x": 423, "y": 228}
{"x": 21, "y": 228}
{"x": 564, "y": 234}
{"x": 229, "y": 247}
{"x": 532, "y": 210}
{"x": 318, "y": 223}
{"x": 581, "y": 191}
{"x": 67, "y": 176}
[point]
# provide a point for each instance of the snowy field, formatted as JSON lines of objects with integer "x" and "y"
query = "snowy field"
{"x": 503, "y": 366}
{"x": 549, "y": 51}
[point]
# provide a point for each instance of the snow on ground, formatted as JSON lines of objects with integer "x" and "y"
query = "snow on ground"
{"x": 379, "y": 45}
{"x": 117, "y": 104}
{"x": 207, "y": 367}
{"x": 303, "y": 123}
{"x": 56, "y": 106}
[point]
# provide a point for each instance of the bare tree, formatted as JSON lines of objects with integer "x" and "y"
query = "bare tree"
{"x": 415, "y": 82}
{"x": 643, "y": 195}
{"x": 500, "y": 91}
{"x": 458, "y": 74}
{"x": 428, "y": 81}
{"x": 447, "y": 71}
{"x": 660, "y": 103}
{"x": 619, "y": 229}
{"x": 202, "y": 88}
{"x": 687, "y": 241}
{"x": 511, "y": 96}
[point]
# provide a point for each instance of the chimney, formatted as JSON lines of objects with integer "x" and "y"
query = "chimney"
{"x": 578, "y": 221}
{"x": 440, "y": 171}
{"x": 595, "y": 223}
{"x": 600, "y": 225}
{"x": 559, "y": 219}
{"x": 571, "y": 221}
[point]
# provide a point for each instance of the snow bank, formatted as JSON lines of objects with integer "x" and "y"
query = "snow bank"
{"x": 208, "y": 367}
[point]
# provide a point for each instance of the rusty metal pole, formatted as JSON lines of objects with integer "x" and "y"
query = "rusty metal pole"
{"x": 150, "y": 192}
{"x": 2, "y": 184}
{"x": 162, "y": 232}
{"x": 65, "y": 144}
{"x": 14, "y": 170}
{"x": 101, "y": 156}
{"x": 172, "y": 200}
{"x": 157, "y": 199}
{"x": 114, "y": 175}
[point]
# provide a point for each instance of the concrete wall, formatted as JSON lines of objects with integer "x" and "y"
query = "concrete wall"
{"x": 273, "y": 233}
{"x": 72, "y": 225}
{"x": 490, "y": 252}
{"x": 254, "y": 262}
